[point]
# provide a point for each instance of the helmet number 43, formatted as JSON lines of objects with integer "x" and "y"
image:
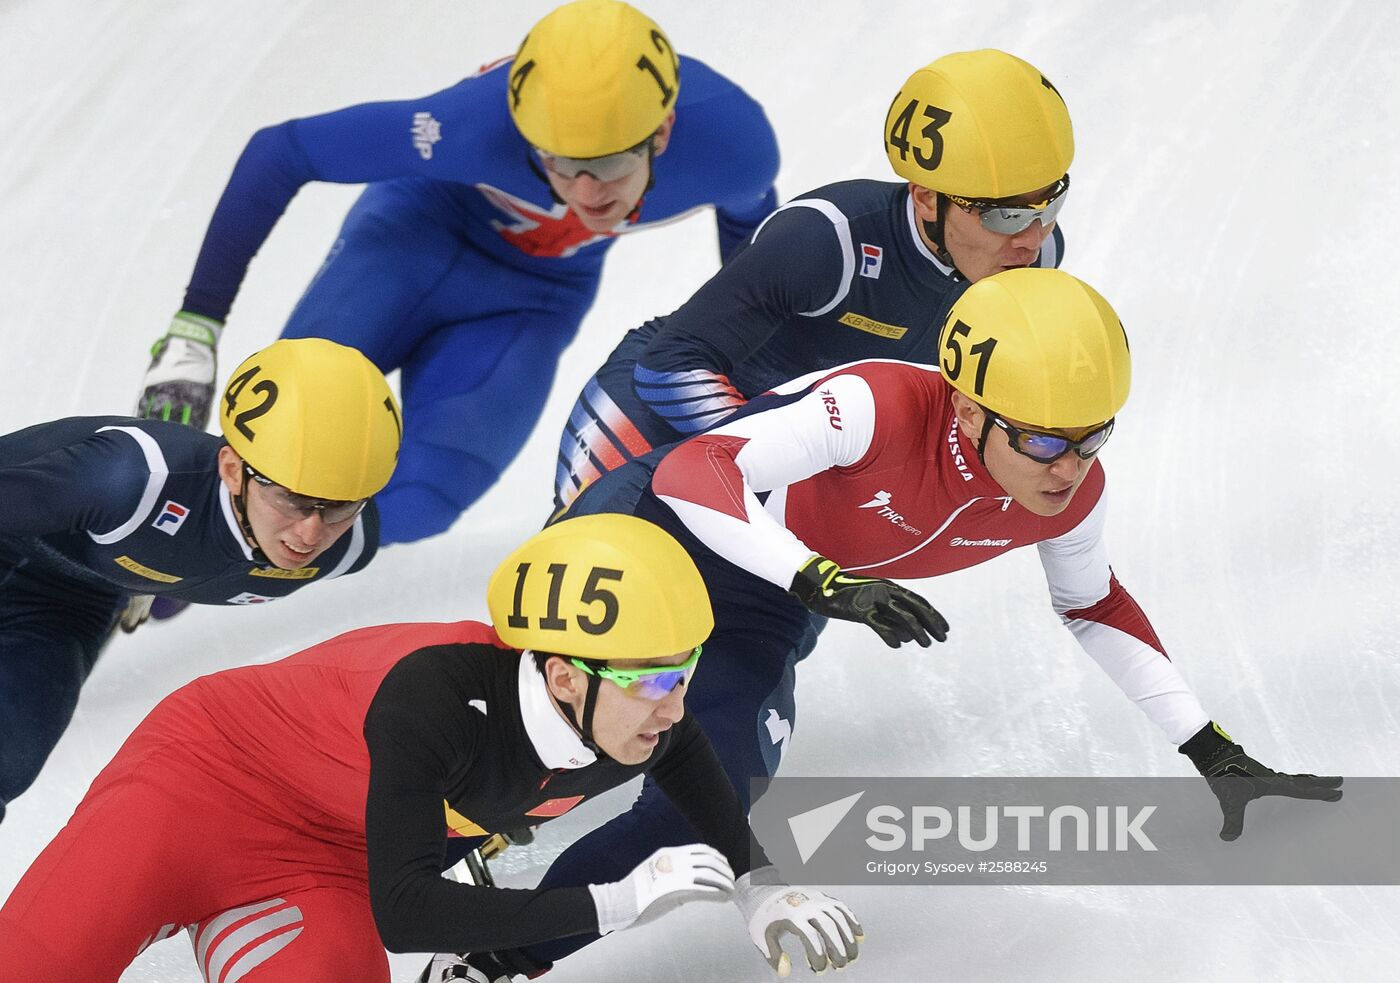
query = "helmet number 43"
{"x": 591, "y": 592}
{"x": 899, "y": 135}
{"x": 983, "y": 351}
{"x": 266, "y": 388}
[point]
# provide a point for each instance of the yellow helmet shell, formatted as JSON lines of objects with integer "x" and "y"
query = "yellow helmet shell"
{"x": 979, "y": 124}
{"x": 315, "y": 417}
{"x": 1039, "y": 347}
{"x": 594, "y": 77}
{"x": 601, "y": 587}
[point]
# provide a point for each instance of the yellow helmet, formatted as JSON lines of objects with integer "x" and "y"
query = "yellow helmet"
{"x": 315, "y": 417}
{"x": 601, "y": 587}
{"x": 594, "y": 77}
{"x": 1038, "y": 346}
{"x": 982, "y": 125}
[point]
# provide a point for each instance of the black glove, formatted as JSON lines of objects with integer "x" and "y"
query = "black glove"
{"x": 1237, "y": 779}
{"x": 898, "y": 615}
{"x": 506, "y": 964}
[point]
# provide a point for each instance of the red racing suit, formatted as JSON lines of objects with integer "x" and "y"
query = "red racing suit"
{"x": 293, "y": 816}
{"x": 865, "y": 465}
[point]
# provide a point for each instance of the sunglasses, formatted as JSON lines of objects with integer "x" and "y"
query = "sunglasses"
{"x": 653, "y": 683}
{"x": 294, "y": 506}
{"x": 609, "y": 167}
{"x": 1047, "y": 448}
{"x": 1007, "y": 219}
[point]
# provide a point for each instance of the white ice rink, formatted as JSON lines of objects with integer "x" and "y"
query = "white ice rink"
{"x": 1236, "y": 168}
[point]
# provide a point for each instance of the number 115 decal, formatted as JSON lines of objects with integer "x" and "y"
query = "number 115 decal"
{"x": 593, "y": 593}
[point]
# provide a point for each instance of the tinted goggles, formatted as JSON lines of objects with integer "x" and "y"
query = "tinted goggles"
{"x": 1007, "y": 219}
{"x": 653, "y": 683}
{"x": 1047, "y": 448}
{"x": 294, "y": 506}
{"x": 609, "y": 167}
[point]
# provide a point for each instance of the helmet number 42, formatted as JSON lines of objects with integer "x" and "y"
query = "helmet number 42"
{"x": 899, "y": 135}
{"x": 267, "y": 389}
{"x": 591, "y": 592}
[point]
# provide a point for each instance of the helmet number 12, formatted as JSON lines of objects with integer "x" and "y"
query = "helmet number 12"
{"x": 645, "y": 64}
{"x": 899, "y": 135}
{"x": 592, "y": 591}
{"x": 983, "y": 351}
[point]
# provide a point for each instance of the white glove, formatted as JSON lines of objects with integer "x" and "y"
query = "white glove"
{"x": 179, "y": 385}
{"x": 447, "y": 967}
{"x": 827, "y": 929}
{"x": 667, "y": 879}
{"x": 137, "y": 610}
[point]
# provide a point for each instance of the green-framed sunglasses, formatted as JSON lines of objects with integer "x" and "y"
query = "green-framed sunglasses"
{"x": 653, "y": 683}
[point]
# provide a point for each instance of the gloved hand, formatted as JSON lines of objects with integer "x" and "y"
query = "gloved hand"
{"x": 447, "y": 967}
{"x": 1237, "y": 779}
{"x": 667, "y": 879}
{"x": 498, "y": 966}
{"x": 179, "y": 384}
{"x": 897, "y": 614}
{"x": 137, "y": 610}
{"x": 826, "y": 928}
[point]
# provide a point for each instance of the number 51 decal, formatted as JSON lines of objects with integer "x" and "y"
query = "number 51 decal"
{"x": 983, "y": 351}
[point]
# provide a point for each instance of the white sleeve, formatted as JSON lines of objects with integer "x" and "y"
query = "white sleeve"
{"x": 710, "y": 481}
{"x": 1113, "y": 630}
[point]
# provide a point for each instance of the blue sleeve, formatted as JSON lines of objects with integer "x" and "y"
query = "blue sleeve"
{"x": 754, "y": 166}
{"x": 726, "y": 137}
{"x": 369, "y": 142}
{"x": 793, "y": 266}
{"x": 94, "y": 484}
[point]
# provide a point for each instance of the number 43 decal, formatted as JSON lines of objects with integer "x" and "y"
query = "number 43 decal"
{"x": 592, "y": 592}
{"x": 929, "y": 158}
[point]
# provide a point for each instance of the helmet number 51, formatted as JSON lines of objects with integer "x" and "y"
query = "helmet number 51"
{"x": 983, "y": 351}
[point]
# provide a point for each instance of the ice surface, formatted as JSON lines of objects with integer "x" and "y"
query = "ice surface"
{"x": 1236, "y": 170}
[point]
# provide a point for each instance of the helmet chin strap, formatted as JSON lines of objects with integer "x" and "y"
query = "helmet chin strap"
{"x": 934, "y": 231}
{"x": 590, "y": 703}
{"x": 982, "y": 437}
{"x": 240, "y": 509}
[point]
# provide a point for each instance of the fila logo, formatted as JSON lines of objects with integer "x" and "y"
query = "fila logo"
{"x": 881, "y": 498}
{"x": 426, "y": 132}
{"x": 871, "y": 259}
{"x": 833, "y": 411}
{"x": 171, "y": 517}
